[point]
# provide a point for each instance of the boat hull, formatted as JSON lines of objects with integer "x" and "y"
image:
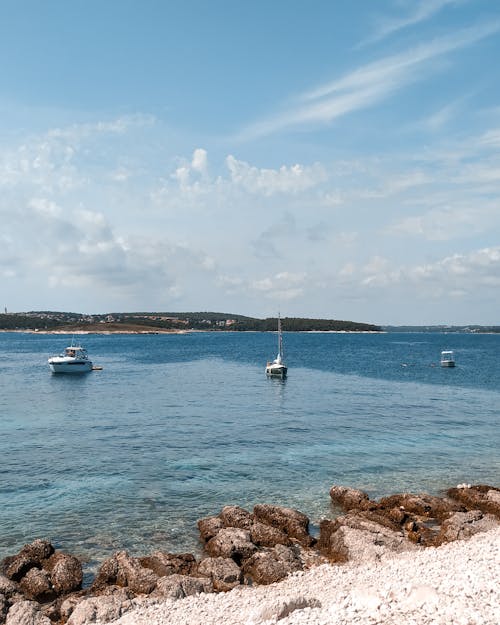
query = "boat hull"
{"x": 276, "y": 370}
{"x": 447, "y": 363}
{"x": 70, "y": 367}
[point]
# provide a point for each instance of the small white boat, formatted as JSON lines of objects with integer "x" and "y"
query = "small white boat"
{"x": 447, "y": 359}
{"x": 277, "y": 367}
{"x": 74, "y": 360}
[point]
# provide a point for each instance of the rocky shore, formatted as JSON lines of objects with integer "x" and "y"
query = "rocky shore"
{"x": 407, "y": 558}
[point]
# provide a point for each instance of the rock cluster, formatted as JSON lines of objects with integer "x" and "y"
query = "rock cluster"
{"x": 37, "y": 575}
{"x": 41, "y": 586}
{"x": 405, "y": 521}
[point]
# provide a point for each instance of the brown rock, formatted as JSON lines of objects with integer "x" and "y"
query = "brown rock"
{"x": 349, "y": 498}
{"x": 209, "y": 527}
{"x": 106, "y": 575}
{"x": 65, "y": 572}
{"x": 4, "y": 606}
{"x": 39, "y": 550}
{"x": 356, "y": 538}
{"x": 272, "y": 565}
{"x": 180, "y": 586}
{"x": 422, "y": 505}
{"x": 26, "y": 613}
{"x": 234, "y": 516}
{"x": 122, "y": 570}
{"x": 463, "y": 525}
{"x": 382, "y": 517}
{"x": 397, "y": 515}
{"x": 103, "y": 609}
{"x": 36, "y": 585}
{"x": 31, "y": 555}
{"x": 267, "y": 536}
{"x": 67, "y": 606}
{"x": 16, "y": 567}
{"x": 137, "y": 578}
{"x": 163, "y": 563}
{"x": 480, "y": 497}
{"x": 8, "y": 588}
{"x": 292, "y": 522}
{"x": 224, "y": 572}
{"x": 231, "y": 542}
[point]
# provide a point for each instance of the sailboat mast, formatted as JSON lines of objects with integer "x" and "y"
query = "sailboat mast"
{"x": 280, "y": 339}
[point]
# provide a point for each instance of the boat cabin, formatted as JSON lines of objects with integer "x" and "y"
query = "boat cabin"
{"x": 447, "y": 358}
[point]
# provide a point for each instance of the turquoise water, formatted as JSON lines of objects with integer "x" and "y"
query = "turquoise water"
{"x": 176, "y": 426}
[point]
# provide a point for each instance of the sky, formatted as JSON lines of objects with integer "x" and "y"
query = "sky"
{"x": 322, "y": 158}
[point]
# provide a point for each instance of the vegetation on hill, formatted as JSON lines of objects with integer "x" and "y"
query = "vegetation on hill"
{"x": 292, "y": 324}
{"x": 147, "y": 321}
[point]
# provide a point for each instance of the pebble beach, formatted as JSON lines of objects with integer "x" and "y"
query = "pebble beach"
{"x": 455, "y": 584}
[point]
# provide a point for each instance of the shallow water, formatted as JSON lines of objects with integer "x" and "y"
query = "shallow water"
{"x": 176, "y": 426}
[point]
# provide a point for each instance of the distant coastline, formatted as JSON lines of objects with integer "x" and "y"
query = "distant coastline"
{"x": 52, "y": 322}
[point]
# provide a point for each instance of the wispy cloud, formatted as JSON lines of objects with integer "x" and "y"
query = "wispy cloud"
{"x": 368, "y": 85}
{"x": 422, "y": 11}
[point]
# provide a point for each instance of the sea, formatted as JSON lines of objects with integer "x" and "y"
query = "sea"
{"x": 176, "y": 426}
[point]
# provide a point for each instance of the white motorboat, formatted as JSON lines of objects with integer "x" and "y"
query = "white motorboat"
{"x": 74, "y": 360}
{"x": 277, "y": 367}
{"x": 447, "y": 358}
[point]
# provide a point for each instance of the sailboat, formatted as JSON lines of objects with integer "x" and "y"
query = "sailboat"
{"x": 277, "y": 367}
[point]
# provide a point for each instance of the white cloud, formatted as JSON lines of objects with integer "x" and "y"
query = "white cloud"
{"x": 282, "y": 286}
{"x": 45, "y": 207}
{"x": 461, "y": 274}
{"x": 199, "y": 162}
{"x": 440, "y": 118}
{"x": 369, "y": 84}
{"x": 192, "y": 176}
{"x": 119, "y": 126}
{"x": 293, "y": 179}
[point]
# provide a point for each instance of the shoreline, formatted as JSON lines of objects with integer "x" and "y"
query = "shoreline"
{"x": 455, "y": 583}
{"x": 405, "y": 558}
{"x": 189, "y": 331}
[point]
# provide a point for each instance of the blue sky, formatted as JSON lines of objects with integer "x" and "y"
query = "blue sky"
{"x": 325, "y": 158}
